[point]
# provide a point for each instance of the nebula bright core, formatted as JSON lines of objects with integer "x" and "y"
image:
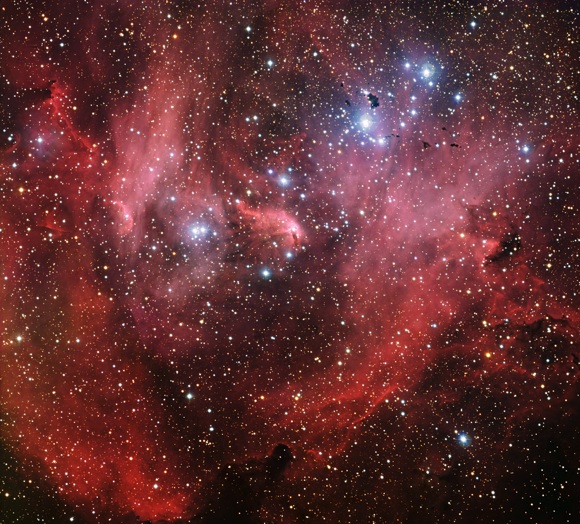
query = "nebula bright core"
{"x": 289, "y": 261}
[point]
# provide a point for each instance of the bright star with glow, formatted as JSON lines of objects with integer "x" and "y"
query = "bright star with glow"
{"x": 464, "y": 439}
{"x": 198, "y": 231}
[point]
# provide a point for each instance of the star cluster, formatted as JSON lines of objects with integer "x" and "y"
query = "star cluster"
{"x": 289, "y": 261}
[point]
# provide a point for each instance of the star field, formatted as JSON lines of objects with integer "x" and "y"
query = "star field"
{"x": 289, "y": 261}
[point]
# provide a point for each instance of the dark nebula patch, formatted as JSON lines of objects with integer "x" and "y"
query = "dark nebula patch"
{"x": 508, "y": 247}
{"x": 374, "y": 100}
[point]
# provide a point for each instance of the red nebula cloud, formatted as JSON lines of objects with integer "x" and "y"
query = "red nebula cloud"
{"x": 208, "y": 252}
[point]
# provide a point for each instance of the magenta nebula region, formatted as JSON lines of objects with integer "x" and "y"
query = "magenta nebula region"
{"x": 289, "y": 261}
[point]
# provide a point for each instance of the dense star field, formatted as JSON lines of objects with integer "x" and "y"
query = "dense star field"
{"x": 289, "y": 261}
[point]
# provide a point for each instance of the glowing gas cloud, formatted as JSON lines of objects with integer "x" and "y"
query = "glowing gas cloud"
{"x": 282, "y": 261}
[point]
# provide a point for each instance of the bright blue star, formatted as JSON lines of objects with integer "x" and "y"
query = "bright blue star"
{"x": 464, "y": 439}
